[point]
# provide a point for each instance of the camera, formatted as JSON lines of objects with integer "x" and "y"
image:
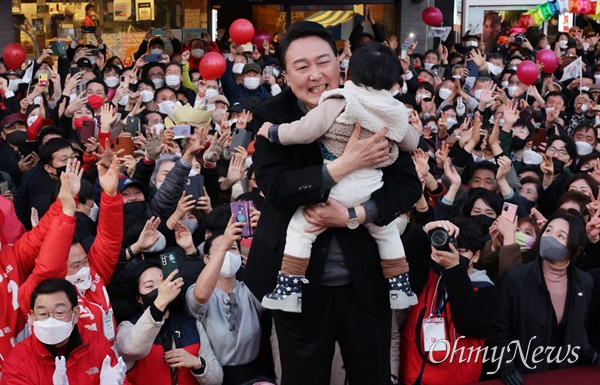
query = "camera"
{"x": 520, "y": 39}
{"x": 440, "y": 239}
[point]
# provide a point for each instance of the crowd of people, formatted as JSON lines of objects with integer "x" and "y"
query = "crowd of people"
{"x": 404, "y": 209}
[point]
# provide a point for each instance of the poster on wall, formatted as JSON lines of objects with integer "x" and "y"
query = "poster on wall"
{"x": 16, "y": 6}
{"x": 145, "y": 11}
{"x": 192, "y": 18}
{"x": 121, "y": 10}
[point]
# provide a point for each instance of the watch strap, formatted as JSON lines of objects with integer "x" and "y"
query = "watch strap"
{"x": 352, "y": 212}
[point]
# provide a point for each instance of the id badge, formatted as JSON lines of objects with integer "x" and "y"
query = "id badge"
{"x": 433, "y": 331}
{"x": 107, "y": 325}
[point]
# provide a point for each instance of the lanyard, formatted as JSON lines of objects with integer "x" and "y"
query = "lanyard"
{"x": 441, "y": 304}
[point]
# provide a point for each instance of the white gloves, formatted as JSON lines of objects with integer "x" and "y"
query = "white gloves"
{"x": 112, "y": 375}
{"x": 60, "y": 373}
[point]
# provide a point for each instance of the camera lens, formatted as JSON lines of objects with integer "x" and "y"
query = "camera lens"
{"x": 439, "y": 238}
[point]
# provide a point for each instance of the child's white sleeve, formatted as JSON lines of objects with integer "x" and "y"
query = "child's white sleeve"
{"x": 312, "y": 125}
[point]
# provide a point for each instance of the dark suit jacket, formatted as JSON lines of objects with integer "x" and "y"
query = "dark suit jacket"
{"x": 290, "y": 176}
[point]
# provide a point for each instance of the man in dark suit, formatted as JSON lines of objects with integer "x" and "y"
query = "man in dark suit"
{"x": 346, "y": 299}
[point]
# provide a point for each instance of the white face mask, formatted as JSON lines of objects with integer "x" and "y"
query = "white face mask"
{"x": 82, "y": 279}
{"x": 13, "y": 85}
{"x": 238, "y": 68}
{"x": 231, "y": 122}
{"x": 597, "y": 77}
{"x": 584, "y": 107}
{"x": 251, "y": 83}
{"x": 511, "y": 90}
{"x": 112, "y": 81}
{"x": 429, "y": 66}
{"x": 231, "y": 264}
{"x": 156, "y": 51}
{"x": 94, "y": 212}
{"x": 532, "y": 157}
{"x": 193, "y": 172}
{"x": 158, "y": 82}
{"x": 451, "y": 122}
{"x": 471, "y": 43}
{"x": 563, "y": 44}
{"x": 37, "y": 100}
{"x": 147, "y": 96}
{"x": 124, "y": 100}
{"x": 584, "y": 148}
{"x": 158, "y": 245}
{"x": 444, "y": 93}
{"x": 344, "y": 64}
{"x": 52, "y": 331}
{"x": 158, "y": 185}
{"x": 494, "y": 68}
{"x": 167, "y": 107}
{"x": 477, "y": 94}
{"x": 586, "y": 46}
{"x": 505, "y": 84}
{"x": 210, "y": 93}
{"x": 584, "y": 88}
{"x": 197, "y": 53}
{"x": 158, "y": 128}
{"x": 395, "y": 92}
{"x": 173, "y": 80}
{"x": 31, "y": 119}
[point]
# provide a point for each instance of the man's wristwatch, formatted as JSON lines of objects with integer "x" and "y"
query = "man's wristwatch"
{"x": 353, "y": 222}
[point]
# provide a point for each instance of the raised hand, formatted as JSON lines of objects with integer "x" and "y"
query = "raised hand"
{"x": 420, "y": 158}
{"x": 109, "y": 177}
{"x": 442, "y": 154}
{"x": 106, "y": 157}
{"x": 65, "y": 195}
{"x": 451, "y": 173}
{"x": 204, "y": 204}
{"x": 74, "y": 171}
{"x": 112, "y": 375}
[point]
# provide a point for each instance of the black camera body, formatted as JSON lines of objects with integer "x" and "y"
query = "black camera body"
{"x": 520, "y": 39}
{"x": 440, "y": 239}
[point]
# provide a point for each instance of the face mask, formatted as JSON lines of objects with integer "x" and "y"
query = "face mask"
{"x": 471, "y": 43}
{"x": 597, "y": 77}
{"x": 451, "y": 122}
{"x": 210, "y": 93}
{"x": 124, "y": 100}
{"x": 494, "y": 69}
{"x": 167, "y": 107}
{"x": 429, "y": 66}
{"x": 517, "y": 144}
{"x": 231, "y": 264}
{"x": 158, "y": 82}
{"x": 231, "y": 122}
{"x": 552, "y": 250}
{"x": 95, "y": 101}
{"x": 584, "y": 88}
{"x": 147, "y": 96}
{"x": 559, "y": 166}
{"x": 344, "y": 64}
{"x": 173, "y": 80}
{"x": 17, "y": 138}
{"x": 238, "y": 68}
{"x": 82, "y": 279}
{"x": 13, "y": 85}
{"x": 197, "y": 53}
{"x": 444, "y": 93}
{"x": 135, "y": 208}
{"x": 404, "y": 88}
{"x": 37, "y": 100}
{"x": 52, "y": 331}
{"x": 524, "y": 241}
{"x": 563, "y": 44}
{"x": 112, "y": 81}
{"x": 275, "y": 72}
{"x": 191, "y": 225}
{"x": 464, "y": 262}
{"x": 586, "y": 46}
{"x": 158, "y": 128}
{"x": 158, "y": 245}
{"x": 395, "y": 92}
{"x": 158, "y": 185}
{"x": 251, "y": 83}
{"x": 511, "y": 91}
{"x": 156, "y": 51}
{"x": 94, "y": 212}
{"x": 193, "y": 172}
{"x": 477, "y": 94}
{"x": 31, "y": 119}
{"x": 584, "y": 148}
{"x": 532, "y": 157}
{"x": 505, "y": 84}
{"x": 483, "y": 221}
{"x": 149, "y": 298}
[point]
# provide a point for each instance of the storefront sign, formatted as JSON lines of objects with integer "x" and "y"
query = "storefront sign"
{"x": 145, "y": 11}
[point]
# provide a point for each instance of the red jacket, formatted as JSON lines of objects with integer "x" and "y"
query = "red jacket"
{"x": 16, "y": 264}
{"x": 31, "y": 363}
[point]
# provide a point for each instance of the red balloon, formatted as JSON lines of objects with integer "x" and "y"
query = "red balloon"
{"x": 259, "y": 36}
{"x": 549, "y": 59}
{"x": 527, "y": 72}
{"x": 14, "y": 56}
{"x": 212, "y": 66}
{"x": 432, "y": 16}
{"x": 241, "y": 31}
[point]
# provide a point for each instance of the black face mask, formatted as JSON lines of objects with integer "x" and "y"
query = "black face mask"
{"x": 483, "y": 221}
{"x": 464, "y": 262}
{"x": 60, "y": 170}
{"x": 17, "y": 138}
{"x": 559, "y": 166}
{"x": 149, "y": 298}
{"x": 479, "y": 144}
{"x": 517, "y": 144}
{"x": 135, "y": 208}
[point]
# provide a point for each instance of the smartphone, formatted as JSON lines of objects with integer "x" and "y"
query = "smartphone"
{"x": 269, "y": 70}
{"x": 153, "y": 58}
{"x": 168, "y": 263}
{"x": 3, "y": 187}
{"x": 132, "y": 125}
{"x": 89, "y": 29}
{"x": 540, "y": 135}
{"x": 404, "y": 51}
{"x": 182, "y": 131}
{"x": 410, "y": 39}
{"x": 95, "y": 52}
{"x": 43, "y": 80}
{"x": 440, "y": 72}
{"x": 158, "y": 31}
{"x": 88, "y": 129}
{"x": 194, "y": 186}
{"x": 526, "y": 114}
{"x": 81, "y": 88}
{"x": 58, "y": 48}
{"x": 124, "y": 143}
{"x": 509, "y": 211}
{"x": 74, "y": 71}
{"x": 248, "y": 47}
{"x": 241, "y": 213}
{"x": 240, "y": 138}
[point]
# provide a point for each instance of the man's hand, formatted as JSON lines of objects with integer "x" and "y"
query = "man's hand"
{"x": 330, "y": 214}
{"x": 181, "y": 358}
{"x": 450, "y": 227}
{"x": 183, "y": 237}
{"x": 504, "y": 165}
{"x": 109, "y": 177}
{"x": 112, "y": 375}
{"x": 451, "y": 173}
{"x": 26, "y": 163}
{"x": 60, "y": 372}
{"x": 445, "y": 259}
{"x": 65, "y": 196}
{"x": 74, "y": 171}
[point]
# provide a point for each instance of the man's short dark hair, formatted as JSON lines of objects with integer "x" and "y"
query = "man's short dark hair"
{"x": 382, "y": 76}
{"x": 483, "y": 165}
{"x": 556, "y": 93}
{"x": 579, "y": 198}
{"x": 89, "y": 6}
{"x": 174, "y": 63}
{"x": 433, "y": 51}
{"x": 163, "y": 88}
{"x": 470, "y": 236}
{"x": 156, "y": 41}
{"x": 99, "y": 81}
{"x": 303, "y": 29}
{"x": 51, "y": 286}
{"x": 53, "y": 145}
{"x": 570, "y": 145}
{"x": 50, "y": 130}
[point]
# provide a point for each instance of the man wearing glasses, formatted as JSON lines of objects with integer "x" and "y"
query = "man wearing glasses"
{"x": 560, "y": 153}
{"x": 40, "y": 359}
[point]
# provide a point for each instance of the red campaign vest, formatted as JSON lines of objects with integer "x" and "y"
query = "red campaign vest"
{"x": 153, "y": 370}
{"x": 446, "y": 372}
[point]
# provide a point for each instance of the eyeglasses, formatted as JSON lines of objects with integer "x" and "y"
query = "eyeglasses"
{"x": 521, "y": 131}
{"x": 59, "y": 314}
{"x": 432, "y": 128}
{"x": 553, "y": 150}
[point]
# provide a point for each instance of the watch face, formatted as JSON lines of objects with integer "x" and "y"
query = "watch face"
{"x": 353, "y": 223}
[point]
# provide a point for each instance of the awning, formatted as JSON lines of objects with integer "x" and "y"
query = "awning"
{"x": 331, "y": 18}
